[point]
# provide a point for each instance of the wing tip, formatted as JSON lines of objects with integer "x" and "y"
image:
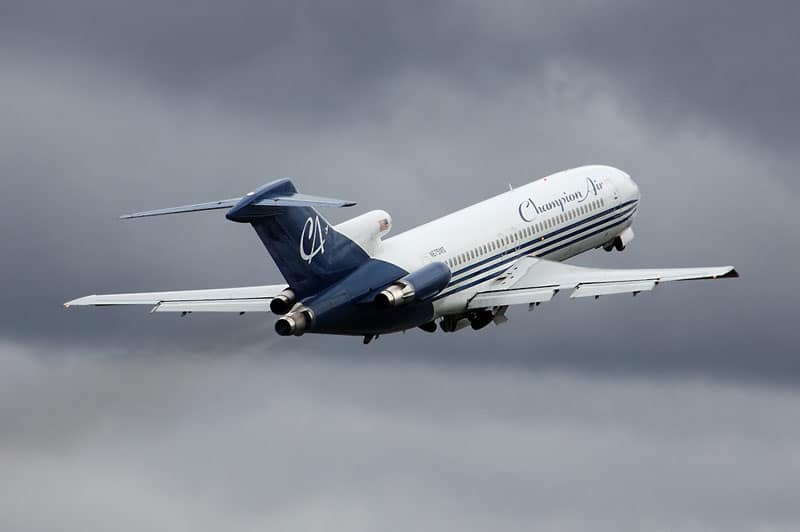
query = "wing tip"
{"x": 79, "y": 302}
{"x": 730, "y": 274}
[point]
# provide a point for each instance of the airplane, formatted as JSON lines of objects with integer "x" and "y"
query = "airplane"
{"x": 464, "y": 269}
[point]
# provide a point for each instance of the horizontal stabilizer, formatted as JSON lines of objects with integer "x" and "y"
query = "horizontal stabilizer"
{"x": 276, "y": 194}
{"x": 210, "y": 206}
{"x": 304, "y": 200}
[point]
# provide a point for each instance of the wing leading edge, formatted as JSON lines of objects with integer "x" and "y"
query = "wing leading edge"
{"x": 533, "y": 281}
{"x": 241, "y": 299}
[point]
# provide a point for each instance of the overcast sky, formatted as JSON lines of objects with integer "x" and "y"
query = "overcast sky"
{"x": 673, "y": 410}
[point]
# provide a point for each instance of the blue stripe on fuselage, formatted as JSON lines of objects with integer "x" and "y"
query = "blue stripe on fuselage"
{"x": 513, "y": 254}
{"x": 627, "y": 217}
{"x": 546, "y": 236}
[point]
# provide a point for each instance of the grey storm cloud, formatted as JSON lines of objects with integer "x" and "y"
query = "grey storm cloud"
{"x": 729, "y": 62}
{"x": 248, "y": 443}
{"x": 666, "y": 411}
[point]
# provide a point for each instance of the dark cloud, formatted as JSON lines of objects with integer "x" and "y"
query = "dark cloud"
{"x": 730, "y": 62}
{"x": 665, "y": 411}
{"x": 246, "y": 442}
{"x": 81, "y": 149}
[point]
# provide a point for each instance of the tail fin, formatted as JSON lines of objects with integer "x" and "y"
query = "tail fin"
{"x": 308, "y": 251}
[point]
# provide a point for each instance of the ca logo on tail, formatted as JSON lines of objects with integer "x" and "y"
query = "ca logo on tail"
{"x": 312, "y": 239}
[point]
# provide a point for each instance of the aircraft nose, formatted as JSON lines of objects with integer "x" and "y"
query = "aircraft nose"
{"x": 628, "y": 187}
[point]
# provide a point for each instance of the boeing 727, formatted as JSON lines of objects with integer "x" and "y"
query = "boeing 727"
{"x": 464, "y": 269}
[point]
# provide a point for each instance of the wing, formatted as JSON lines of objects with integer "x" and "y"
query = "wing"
{"x": 242, "y": 299}
{"x": 535, "y": 281}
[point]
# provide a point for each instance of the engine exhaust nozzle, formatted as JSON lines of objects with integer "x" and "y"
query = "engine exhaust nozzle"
{"x": 283, "y": 302}
{"x": 294, "y": 324}
{"x": 395, "y": 295}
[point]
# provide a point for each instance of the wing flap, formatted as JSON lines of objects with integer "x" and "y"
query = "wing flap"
{"x": 604, "y": 289}
{"x": 215, "y": 305}
{"x": 512, "y": 297}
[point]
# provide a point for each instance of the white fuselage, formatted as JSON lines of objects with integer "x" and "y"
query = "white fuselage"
{"x": 556, "y": 217}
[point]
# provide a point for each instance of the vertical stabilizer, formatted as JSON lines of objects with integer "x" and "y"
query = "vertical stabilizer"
{"x": 308, "y": 251}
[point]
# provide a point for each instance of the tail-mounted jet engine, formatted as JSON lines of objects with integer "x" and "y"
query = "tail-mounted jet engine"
{"x": 283, "y": 302}
{"x": 296, "y": 323}
{"x": 367, "y": 230}
{"x": 419, "y": 285}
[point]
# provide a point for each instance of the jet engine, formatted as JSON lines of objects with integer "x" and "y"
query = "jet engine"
{"x": 367, "y": 230}
{"x": 283, "y": 302}
{"x": 419, "y": 285}
{"x": 295, "y": 323}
